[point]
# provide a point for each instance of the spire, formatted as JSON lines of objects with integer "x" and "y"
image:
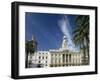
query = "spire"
{"x": 64, "y": 43}
{"x": 33, "y": 38}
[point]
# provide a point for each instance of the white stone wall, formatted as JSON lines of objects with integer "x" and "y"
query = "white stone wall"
{"x": 42, "y": 57}
{"x": 47, "y": 58}
{"x": 66, "y": 58}
{"x": 76, "y": 59}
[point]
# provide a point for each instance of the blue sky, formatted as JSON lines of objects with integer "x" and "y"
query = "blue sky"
{"x": 49, "y": 29}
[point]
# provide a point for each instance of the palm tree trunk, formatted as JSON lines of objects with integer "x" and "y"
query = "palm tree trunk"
{"x": 26, "y": 63}
{"x": 30, "y": 62}
{"x": 84, "y": 55}
{"x": 88, "y": 54}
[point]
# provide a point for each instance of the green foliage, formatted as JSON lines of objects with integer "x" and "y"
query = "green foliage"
{"x": 81, "y": 33}
{"x": 30, "y": 48}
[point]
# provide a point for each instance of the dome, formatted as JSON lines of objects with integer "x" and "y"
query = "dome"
{"x": 33, "y": 37}
{"x": 64, "y": 37}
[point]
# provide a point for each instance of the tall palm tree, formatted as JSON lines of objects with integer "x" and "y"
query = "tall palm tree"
{"x": 30, "y": 48}
{"x": 81, "y": 35}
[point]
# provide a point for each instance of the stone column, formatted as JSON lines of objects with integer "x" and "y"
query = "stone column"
{"x": 53, "y": 59}
{"x": 65, "y": 59}
{"x": 61, "y": 59}
{"x": 56, "y": 58}
{"x": 71, "y": 59}
{"x": 68, "y": 59}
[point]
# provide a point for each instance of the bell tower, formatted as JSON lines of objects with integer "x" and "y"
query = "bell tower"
{"x": 34, "y": 42}
{"x": 64, "y": 43}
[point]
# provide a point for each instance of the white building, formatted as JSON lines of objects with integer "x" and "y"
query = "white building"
{"x": 57, "y": 57}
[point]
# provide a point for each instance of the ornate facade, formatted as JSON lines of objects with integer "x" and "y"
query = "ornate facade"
{"x": 58, "y": 57}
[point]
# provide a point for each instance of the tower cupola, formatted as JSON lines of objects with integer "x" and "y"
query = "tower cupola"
{"x": 64, "y": 42}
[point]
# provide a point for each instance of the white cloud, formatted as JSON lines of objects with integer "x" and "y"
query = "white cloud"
{"x": 65, "y": 27}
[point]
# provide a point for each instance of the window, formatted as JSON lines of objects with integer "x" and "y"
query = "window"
{"x": 39, "y": 57}
{"x": 39, "y": 62}
{"x": 39, "y": 53}
{"x": 46, "y": 57}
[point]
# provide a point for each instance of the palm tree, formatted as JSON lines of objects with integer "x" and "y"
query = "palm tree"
{"x": 30, "y": 48}
{"x": 81, "y": 35}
